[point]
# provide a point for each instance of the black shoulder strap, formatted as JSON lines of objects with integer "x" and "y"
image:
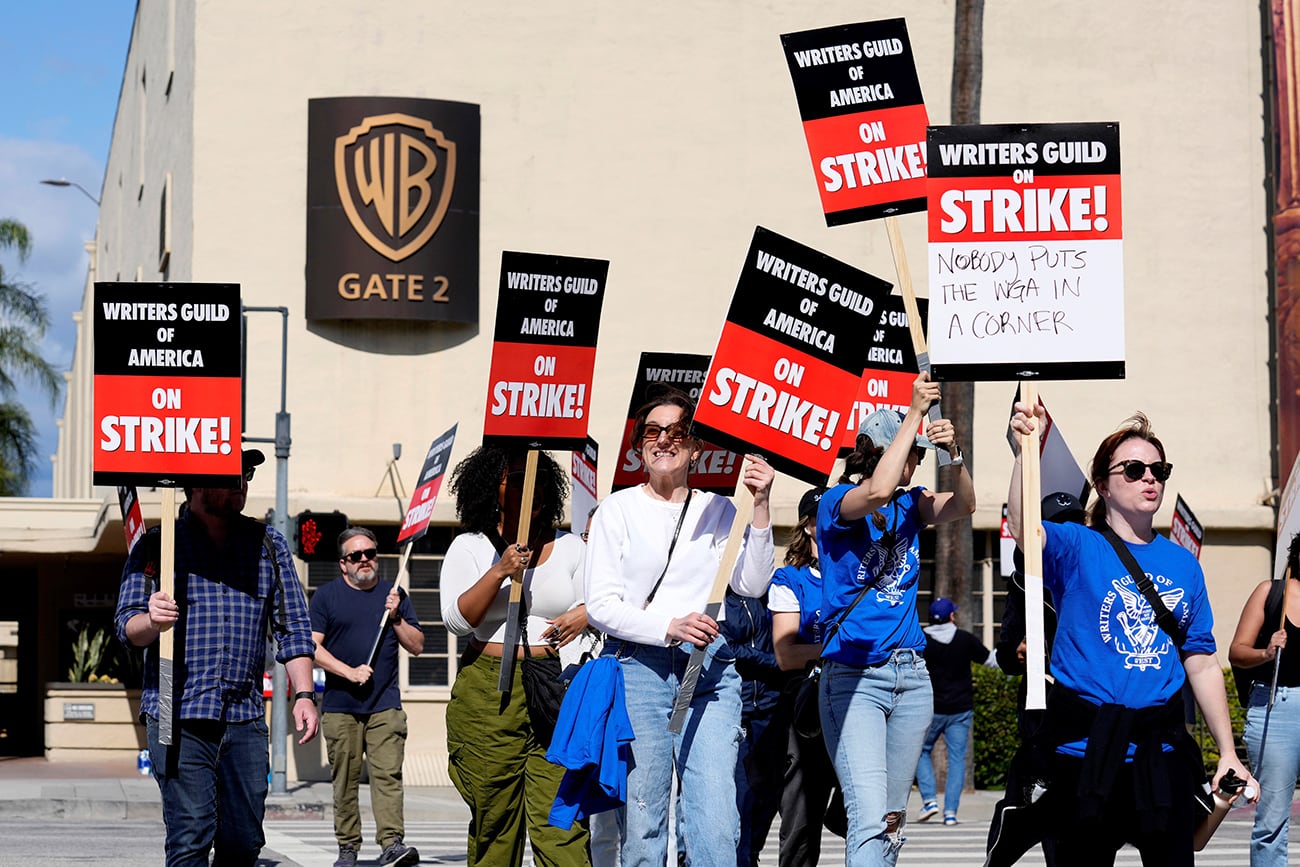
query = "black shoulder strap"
{"x": 681, "y": 519}
{"x": 866, "y": 585}
{"x": 280, "y": 606}
{"x": 1164, "y": 617}
{"x": 1272, "y": 611}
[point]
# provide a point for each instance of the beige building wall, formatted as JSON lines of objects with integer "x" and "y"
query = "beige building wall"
{"x": 657, "y": 136}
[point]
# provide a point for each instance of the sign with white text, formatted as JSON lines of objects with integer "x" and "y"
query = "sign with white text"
{"x": 717, "y": 469}
{"x": 583, "y": 470}
{"x": 128, "y": 501}
{"x": 863, "y": 117}
{"x": 790, "y": 357}
{"x": 891, "y": 369}
{"x": 167, "y": 408}
{"x": 425, "y": 495}
{"x": 1026, "y": 259}
{"x": 539, "y": 386}
{"x": 1185, "y": 530}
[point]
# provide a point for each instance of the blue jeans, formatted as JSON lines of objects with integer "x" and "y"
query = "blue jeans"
{"x": 955, "y": 728}
{"x": 874, "y": 722}
{"x": 704, "y": 752}
{"x": 214, "y": 792}
{"x": 1276, "y": 773}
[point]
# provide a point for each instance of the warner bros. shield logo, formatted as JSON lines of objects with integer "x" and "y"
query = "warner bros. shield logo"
{"x": 395, "y": 175}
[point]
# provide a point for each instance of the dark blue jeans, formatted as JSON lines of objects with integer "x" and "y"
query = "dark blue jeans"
{"x": 213, "y": 791}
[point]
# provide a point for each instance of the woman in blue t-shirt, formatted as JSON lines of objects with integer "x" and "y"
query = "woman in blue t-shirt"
{"x": 1119, "y": 763}
{"x": 876, "y": 700}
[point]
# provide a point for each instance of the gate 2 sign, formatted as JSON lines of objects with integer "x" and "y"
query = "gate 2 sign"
{"x": 167, "y": 385}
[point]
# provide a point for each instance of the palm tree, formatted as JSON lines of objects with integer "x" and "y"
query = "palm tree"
{"x": 23, "y": 320}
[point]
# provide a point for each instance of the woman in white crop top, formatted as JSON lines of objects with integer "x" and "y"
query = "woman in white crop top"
{"x": 652, "y": 630}
{"x": 497, "y": 757}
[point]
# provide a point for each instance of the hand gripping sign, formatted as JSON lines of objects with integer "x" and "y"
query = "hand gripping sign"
{"x": 783, "y": 379}
{"x": 539, "y": 385}
{"x": 167, "y": 408}
{"x": 718, "y": 469}
{"x": 891, "y": 368}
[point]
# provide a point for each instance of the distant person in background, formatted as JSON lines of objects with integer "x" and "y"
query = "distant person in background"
{"x": 1256, "y": 645}
{"x": 362, "y": 715}
{"x": 949, "y": 654}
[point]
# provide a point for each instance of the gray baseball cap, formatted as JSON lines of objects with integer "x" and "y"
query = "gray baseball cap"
{"x": 882, "y": 426}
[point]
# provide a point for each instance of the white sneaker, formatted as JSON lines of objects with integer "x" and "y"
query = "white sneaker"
{"x": 928, "y": 812}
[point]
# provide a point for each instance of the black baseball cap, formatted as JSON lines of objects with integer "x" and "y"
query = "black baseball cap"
{"x": 809, "y": 502}
{"x": 1062, "y": 508}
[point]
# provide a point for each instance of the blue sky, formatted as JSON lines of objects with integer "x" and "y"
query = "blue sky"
{"x": 63, "y": 69}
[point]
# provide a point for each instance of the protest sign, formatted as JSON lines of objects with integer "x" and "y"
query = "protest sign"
{"x": 1058, "y": 470}
{"x": 863, "y": 117}
{"x": 167, "y": 385}
{"x": 1006, "y": 547}
{"x": 416, "y": 521}
{"x": 1025, "y": 253}
{"x": 717, "y": 469}
{"x": 1185, "y": 530}
{"x": 1288, "y": 519}
{"x": 790, "y": 357}
{"x": 132, "y": 521}
{"x": 584, "y": 474}
{"x": 891, "y": 369}
{"x": 539, "y": 386}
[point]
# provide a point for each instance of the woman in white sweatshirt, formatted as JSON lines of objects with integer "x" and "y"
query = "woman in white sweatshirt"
{"x": 653, "y": 552}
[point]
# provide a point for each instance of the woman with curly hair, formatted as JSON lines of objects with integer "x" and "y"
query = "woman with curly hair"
{"x": 1120, "y": 765}
{"x": 654, "y": 551}
{"x": 496, "y": 754}
{"x": 876, "y": 698}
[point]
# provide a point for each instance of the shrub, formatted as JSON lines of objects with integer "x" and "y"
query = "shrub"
{"x": 996, "y": 734}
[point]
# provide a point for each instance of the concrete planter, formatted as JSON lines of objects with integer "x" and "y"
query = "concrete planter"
{"x": 92, "y": 722}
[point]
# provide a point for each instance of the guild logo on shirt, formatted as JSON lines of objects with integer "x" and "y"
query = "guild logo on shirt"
{"x": 395, "y": 175}
{"x": 1138, "y": 633}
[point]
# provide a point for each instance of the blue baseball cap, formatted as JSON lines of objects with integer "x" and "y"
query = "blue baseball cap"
{"x": 941, "y": 610}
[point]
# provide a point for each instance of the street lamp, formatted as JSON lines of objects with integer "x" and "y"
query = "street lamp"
{"x": 64, "y": 182}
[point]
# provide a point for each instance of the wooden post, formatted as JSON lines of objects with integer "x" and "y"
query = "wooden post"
{"x": 167, "y": 636}
{"x": 1031, "y": 528}
{"x": 744, "y": 514}
{"x": 517, "y": 580}
{"x": 913, "y": 318}
{"x": 398, "y": 583}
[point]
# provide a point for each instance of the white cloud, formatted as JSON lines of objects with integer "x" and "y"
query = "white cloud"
{"x": 61, "y": 220}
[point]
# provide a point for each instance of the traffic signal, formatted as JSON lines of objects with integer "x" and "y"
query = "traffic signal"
{"x": 317, "y": 535}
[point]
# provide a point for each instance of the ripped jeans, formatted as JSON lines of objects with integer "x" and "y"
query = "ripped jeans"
{"x": 874, "y": 721}
{"x": 705, "y": 755}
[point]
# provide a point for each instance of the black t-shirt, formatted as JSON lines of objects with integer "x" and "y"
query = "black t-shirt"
{"x": 949, "y": 666}
{"x": 349, "y": 619}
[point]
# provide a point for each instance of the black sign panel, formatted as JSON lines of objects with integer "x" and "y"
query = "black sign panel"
{"x": 392, "y": 209}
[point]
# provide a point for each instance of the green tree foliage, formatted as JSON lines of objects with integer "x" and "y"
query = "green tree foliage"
{"x": 23, "y": 322}
{"x": 995, "y": 732}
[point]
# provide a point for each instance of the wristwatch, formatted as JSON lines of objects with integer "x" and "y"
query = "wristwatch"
{"x": 957, "y": 459}
{"x": 309, "y": 694}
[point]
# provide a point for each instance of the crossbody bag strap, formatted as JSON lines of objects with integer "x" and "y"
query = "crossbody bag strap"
{"x": 868, "y": 585}
{"x": 1164, "y": 617}
{"x": 681, "y": 519}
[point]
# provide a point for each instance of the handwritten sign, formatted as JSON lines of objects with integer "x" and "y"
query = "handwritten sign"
{"x": 717, "y": 469}
{"x": 1026, "y": 264}
{"x": 167, "y": 407}
{"x": 789, "y": 360}
{"x": 544, "y": 354}
{"x": 863, "y": 117}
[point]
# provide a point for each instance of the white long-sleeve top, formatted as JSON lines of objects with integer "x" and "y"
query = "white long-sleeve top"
{"x": 626, "y": 548}
{"x": 549, "y": 590}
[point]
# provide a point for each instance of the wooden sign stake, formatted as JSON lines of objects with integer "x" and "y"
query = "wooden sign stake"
{"x": 167, "y": 637}
{"x": 1031, "y": 528}
{"x": 517, "y": 580}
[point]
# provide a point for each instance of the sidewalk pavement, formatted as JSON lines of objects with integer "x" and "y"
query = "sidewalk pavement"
{"x": 33, "y": 788}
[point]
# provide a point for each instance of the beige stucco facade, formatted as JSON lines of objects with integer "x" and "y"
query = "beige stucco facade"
{"x": 657, "y": 136}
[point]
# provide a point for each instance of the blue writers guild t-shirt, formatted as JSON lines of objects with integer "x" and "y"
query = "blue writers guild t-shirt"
{"x": 349, "y": 620}
{"x": 1108, "y": 647}
{"x": 805, "y": 583}
{"x": 854, "y": 553}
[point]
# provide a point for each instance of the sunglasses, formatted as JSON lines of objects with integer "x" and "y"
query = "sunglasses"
{"x": 362, "y": 554}
{"x": 675, "y": 432}
{"x": 1134, "y": 470}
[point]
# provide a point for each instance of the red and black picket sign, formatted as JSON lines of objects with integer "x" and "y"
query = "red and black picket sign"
{"x": 788, "y": 363}
{"x": 1026, "y": 252}
{"x": 128, "y": 501}
{"x": 548, "y": 315}
{"x": 416, "y": 521}
{"x": 717, "y": 469}
{"x": 863, "y": 117}
{"x": 891, "y": 368}
{"x": 167, "y": 394}
{"x": 1185, "y": 530}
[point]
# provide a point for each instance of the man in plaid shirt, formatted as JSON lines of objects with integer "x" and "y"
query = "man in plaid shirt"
{"x": 235, "y": 583}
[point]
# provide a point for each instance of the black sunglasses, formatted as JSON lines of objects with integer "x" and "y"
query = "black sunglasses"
{"x": 675, "y": 432}
{"x": 1134, "y": 470}
{"x": 362, "y": 554}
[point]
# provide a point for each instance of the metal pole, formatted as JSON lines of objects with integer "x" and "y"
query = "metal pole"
{"x": 282, "y": 441}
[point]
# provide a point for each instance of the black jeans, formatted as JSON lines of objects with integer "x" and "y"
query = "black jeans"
{"x": 809, "y": 780}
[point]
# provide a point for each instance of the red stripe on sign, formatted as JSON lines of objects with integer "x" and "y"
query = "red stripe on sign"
{"x": 167, "y": 425}
{"x": 878, "y": 389}
{"x": 539, "y": 391}
{"x": 1048, "y": 208}
{"x": 421, "y": 510}
{"x": 777, "y": 399}
{"x": 870, "y": 158}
